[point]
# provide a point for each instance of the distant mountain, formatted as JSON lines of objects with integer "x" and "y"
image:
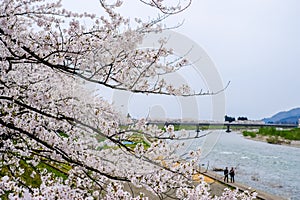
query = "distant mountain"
{"x": 285, "y": 117}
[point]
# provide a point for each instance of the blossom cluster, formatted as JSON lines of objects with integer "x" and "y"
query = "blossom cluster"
{"x": 58, "y": 140}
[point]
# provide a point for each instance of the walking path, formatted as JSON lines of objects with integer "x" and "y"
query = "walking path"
{"x": 218, "y": 185}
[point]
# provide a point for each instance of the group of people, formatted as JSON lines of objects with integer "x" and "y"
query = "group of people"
{"x": 231, "y": 174}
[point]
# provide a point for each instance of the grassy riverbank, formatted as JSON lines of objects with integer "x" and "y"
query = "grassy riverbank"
{"x": 275, "y": 136}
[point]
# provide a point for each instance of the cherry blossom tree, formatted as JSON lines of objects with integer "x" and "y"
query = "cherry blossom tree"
{"x": 57, "y": 139}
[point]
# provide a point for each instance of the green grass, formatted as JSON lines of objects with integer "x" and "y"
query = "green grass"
{"x": 136, "y": 139}
{"x": 31, "y": 176}
{"x": 249, "y": 133}
{"x": 132, "y": 146}
{"x": 60, "y": 170}
{"x": 275, "y": 136}
{"x": 33, "y": 181}
{"x": 291, "y": 134}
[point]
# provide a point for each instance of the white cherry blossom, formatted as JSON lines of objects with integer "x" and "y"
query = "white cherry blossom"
{"x": 50, "y": 120}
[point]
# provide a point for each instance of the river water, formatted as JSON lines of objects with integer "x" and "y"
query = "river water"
{"x": 271, "y": 168}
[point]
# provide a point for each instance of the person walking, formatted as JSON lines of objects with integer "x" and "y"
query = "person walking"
{"x": 226, "y": 174}
{"x": 231, "y": 173}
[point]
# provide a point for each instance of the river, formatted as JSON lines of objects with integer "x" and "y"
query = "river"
{"x": 267, "y": 167}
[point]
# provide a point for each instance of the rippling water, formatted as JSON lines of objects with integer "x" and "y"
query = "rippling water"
{"x": 271, "y": 168}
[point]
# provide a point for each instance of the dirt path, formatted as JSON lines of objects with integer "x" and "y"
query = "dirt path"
{"x": 217, "y": 187}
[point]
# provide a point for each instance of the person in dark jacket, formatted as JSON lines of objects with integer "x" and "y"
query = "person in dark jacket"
{"x": 231, "y": 173}
{"x": 226, "y": 175}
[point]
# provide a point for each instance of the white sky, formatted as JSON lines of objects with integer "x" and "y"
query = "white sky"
{"x": 255, "y": 44}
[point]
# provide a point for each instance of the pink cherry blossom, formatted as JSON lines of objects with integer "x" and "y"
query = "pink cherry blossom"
{"x": 49, "y": 116}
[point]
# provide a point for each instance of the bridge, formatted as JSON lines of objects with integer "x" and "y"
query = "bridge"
{"x": 222, "y": 124}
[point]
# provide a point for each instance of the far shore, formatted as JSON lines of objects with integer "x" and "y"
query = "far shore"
{"x": 293, "y": 143}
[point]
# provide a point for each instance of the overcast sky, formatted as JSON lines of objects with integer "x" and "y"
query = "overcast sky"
{"x": 254, "y": 44}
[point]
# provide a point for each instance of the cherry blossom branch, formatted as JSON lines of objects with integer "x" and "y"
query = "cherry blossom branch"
{"x": 166, "y": 10}
{"x": 60, "y": 151}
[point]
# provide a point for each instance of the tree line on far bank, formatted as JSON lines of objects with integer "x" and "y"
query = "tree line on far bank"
{"x": 231, "y": 119}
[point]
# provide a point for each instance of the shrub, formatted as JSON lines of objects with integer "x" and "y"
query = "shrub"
{"x": 249, "y": 133}
{"x": 267, "y": 131}
{"x": 273, "y": 140}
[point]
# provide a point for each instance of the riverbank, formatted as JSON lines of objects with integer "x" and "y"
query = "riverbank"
{"x": 261, "y": 138}
{"x": 272, "y": 135}
{"x": 217, "y": 186}
{"x": 270, "y": 169}
{"x": 266, "y": 167}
